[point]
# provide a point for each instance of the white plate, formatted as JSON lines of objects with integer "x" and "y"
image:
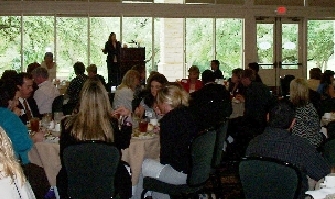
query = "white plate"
{"x": 51, "y": 139}
{"x": 141, "y": 137}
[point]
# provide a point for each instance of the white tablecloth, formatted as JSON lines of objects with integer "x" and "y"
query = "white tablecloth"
{"x": 46, "y": 155}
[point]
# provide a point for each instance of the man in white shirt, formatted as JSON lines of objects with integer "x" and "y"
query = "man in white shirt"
{"x": 46, "y": 93}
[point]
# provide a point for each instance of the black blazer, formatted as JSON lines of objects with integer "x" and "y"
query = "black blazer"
{"x": 210, "y": 105}
{"x": 112, "y": 51}
{"x": 34, "y": 110}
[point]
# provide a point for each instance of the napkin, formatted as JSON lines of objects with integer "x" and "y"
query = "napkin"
{"x": 321, "y": 193}
{"x": 152, "y": 168}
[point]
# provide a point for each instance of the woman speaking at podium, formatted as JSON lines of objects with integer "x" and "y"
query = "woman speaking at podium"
{"x": 112, "y": 49}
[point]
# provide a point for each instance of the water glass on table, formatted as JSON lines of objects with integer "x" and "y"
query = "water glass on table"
{"x": 135, "y": 120}
{"x": 46, "y": 119}
{"x": 58, "y": 116}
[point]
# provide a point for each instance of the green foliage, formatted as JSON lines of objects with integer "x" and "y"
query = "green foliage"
{"x": 74, "y": 34}
{"x": 320, "y": 43}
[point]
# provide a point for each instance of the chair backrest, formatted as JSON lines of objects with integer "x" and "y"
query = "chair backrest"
{"x": 331, "y": 130}
{"x": 221, "y": 134}
{"x": 329, "y": 152}
{"x": 57, "y": 104}
{"x": 264, "y": 178}
{"x": 285, "y": 84}
{"x": 91, "y": 169}
{"x": 202, "y": 150}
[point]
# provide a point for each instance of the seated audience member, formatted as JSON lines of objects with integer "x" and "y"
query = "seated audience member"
{"x": 307, "y": 123}
{"x": 84, "y": 126}
{"x": 92, "y": 73}
{"x": 27, "y": 103}
{"x": 140, "y": 69}
{"x": 140, "y": 90}
{"x": 50, "y": 65}
{"x": 315, "y": 98}
{"x": 278, "y": 142}
{"x": 235, "y": 86}
{"x": 252, "y": 123}
{"x": 257, "y": 99}
{"x": 8, "y": 74}
{"x": 77, "y": 83}
{"x": 215, "y": 67}
{"x": 47, "y": 91}
{"x": 18, "y": 133}
{"x": 177, "y": 129}
{"x": 124, "y": 94}
{"x": 326, "y": 106}
{"x": 314, "y": 81}
{"x": 33, "y": 66}
{"x": 192, "y": 83}
{"x": 13, "y": 183}
{"x": 10, "y": 121}
{"x": 148, "y": 106}
{"x": 326, "y": 87}
{"x": 254, "y": 66}
{"x": 30, "y": 69}
{"x": 211, "y": 104}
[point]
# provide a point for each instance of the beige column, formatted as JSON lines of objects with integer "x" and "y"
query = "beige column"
{"x": 172, "y": 48}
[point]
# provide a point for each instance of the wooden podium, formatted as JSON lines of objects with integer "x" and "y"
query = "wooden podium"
{"x": 131, "y": 57}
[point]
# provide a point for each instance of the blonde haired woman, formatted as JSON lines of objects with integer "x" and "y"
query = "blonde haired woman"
{"x": 307, "y": 119}
{"x": 177, "y": 129}
{"x": 13, "y": 184}
{"x": 124, "y": 94}
{"x": 93, "y": 123}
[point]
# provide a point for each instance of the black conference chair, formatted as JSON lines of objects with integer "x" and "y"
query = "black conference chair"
{"x": 91, "y": 169}
{"x": 216, "y": 165}
{"x": 202, "y": 149}
{"x": 264, "y": 178}
{"x": 57, "y": 104}
{"x": 329, "y": 152}
{"x": 285, "y": 85}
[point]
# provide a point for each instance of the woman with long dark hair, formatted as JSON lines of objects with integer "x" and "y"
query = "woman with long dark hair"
{"x": 112, "y": 49}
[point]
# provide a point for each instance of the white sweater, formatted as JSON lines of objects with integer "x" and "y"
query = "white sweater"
{"x": 14, "y": 190}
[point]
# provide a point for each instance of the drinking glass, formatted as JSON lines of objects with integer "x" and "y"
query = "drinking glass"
{"x": 46, "y": 119}
{"x": 58, "y": 117}
{"x": 35, "y": 124}
{"x": 143, "y": 125}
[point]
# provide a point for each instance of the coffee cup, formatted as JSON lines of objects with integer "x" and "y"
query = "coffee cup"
{"x": 57, "y": 127}
{"x": 330, "y": 180}
{"x": 154, "y": 121}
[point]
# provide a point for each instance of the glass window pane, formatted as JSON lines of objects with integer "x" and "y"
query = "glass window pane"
{"x": 265, "y": 45}
{"x": 38, "y": 37}
{"x": 320, "y": 44}
{"x": 199, "y": 43}
{"x": 100, "y": 29}
{"x": 229, "y": 39}
{"x": 71, "y": 44}
{"x": 289, "y": 46}
{"x": 10, "y": 40}
{"x": 157, "y": 47}
{"x": 138, "y": 30}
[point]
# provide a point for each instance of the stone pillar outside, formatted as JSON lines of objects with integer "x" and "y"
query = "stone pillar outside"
{"x": 172, "y": 48}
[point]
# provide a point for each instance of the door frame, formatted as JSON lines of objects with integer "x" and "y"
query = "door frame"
{"x": 272, "y": 72}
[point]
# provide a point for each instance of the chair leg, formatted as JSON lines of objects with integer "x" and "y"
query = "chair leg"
{"x": 218, "y": 186}
{"x": 143, "y": 192}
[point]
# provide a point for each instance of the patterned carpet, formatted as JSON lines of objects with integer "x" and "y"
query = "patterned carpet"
{"x": 230, "y": 184}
